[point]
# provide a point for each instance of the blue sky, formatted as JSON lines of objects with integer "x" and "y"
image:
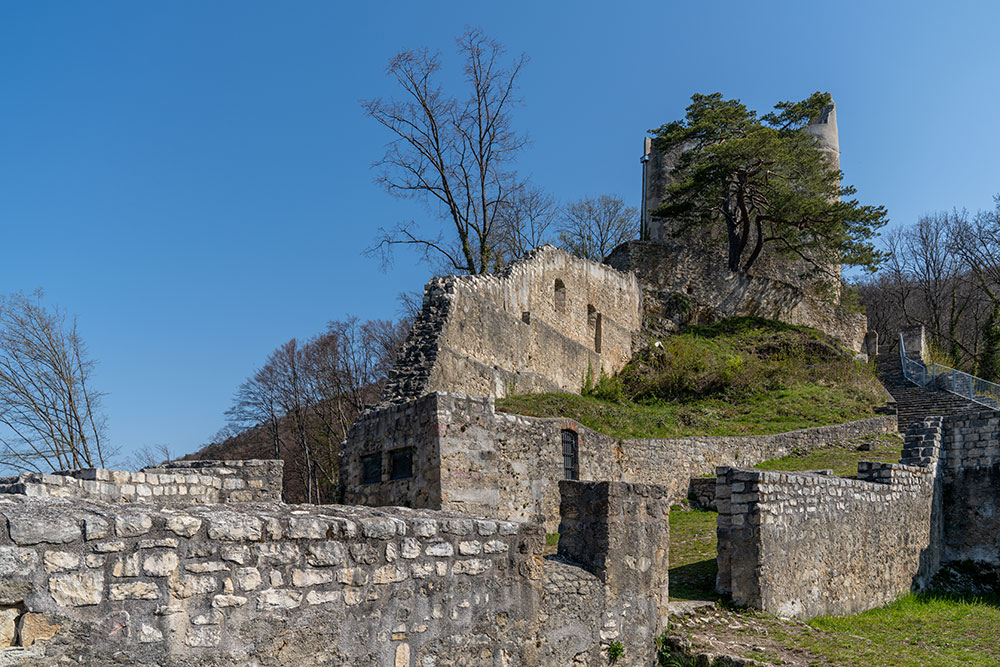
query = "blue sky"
{"x": 192, "y": 179}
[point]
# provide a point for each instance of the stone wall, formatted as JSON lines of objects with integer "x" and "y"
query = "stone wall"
{"x": 469, "y": 458}
{"x": 683, "y": 283}
{"x": 154, "y": 582}
{"x": 265, "y": 584}
{"x": 970, "y": 477}
{"x": 183, "y": 482}
{"x": 541, "y": 325}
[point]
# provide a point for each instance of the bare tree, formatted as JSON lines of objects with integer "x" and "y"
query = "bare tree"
{"x": 526, "y": 221}
{"x": 453, "y": 154}
{"x": 49, "y": 414}
{"x": 592, "y": 227}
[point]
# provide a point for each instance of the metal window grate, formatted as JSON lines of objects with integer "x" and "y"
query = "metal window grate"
{"x": 570, "y": 451}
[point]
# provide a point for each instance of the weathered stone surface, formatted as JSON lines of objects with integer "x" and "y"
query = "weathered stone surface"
{"x": 77, "y": 590}
{"x": 32, "y": 627}
{"x": 234, "y": 527}
{"x": 130, "y": 525}
{"x": 160, "y": 565}
{"x": 51, "y": 530}
{"x": 58, "y": 561}
{"x": 185, "y": 526}
{"x": 135, "y": 590}
{"x": 8, "y": 625}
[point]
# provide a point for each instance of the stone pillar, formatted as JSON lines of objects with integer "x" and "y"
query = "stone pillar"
{"x": 620, "y": 532}
{"x": 915, "y": 342}
{"x": 871, "y": 345}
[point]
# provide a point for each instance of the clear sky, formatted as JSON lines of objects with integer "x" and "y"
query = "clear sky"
{"x": 192, "y": 179}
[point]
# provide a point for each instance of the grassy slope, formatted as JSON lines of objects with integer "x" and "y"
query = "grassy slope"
{"x": 842, "y": 459}
{"x": 743, "y": 376}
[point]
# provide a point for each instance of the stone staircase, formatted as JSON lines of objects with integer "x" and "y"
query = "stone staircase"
{"x": 913, "y": 403}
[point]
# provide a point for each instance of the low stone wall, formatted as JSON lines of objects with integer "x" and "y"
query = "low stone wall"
{"x": 541, "y": 325}
{"x": 852, "y": 544}
{"x": 186, "y": 483}
{"x": 267, "y": 584}
{"x": 469, "y": 458}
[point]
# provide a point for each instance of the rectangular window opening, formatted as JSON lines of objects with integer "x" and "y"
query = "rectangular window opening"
{"x": 401, "y": 463}
{"x": 570, "y": 452}
{"x": 371, "y": 469}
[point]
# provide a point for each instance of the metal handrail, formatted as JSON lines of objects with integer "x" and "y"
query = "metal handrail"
{"x": 939, "y": 376}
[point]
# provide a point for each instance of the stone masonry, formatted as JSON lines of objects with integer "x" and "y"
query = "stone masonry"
{"x": 154, "y": 581}
{"x": 467, "y": 457}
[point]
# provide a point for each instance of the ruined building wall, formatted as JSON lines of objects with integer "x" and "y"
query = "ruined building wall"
{"x": 478, "y": 461}
{"x": 538, "y": 326}
{"x": 273, "y": 584}
{"x": 860, "y": 543}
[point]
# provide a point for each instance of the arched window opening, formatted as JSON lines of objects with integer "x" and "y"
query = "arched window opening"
{"x": 559, "y": 298}
{"x": 571, "y": 455}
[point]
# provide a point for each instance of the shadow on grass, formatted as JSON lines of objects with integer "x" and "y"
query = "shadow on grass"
{"x": 695, "y": 581}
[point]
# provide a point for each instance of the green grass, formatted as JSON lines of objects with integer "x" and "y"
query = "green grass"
{"x": 919, "y": 629}
{"x": 742, "y": 376}
{"x": 842, "y": 459}
{"x": 693, "y": 549}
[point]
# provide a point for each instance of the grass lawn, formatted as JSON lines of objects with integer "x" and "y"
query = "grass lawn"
{"x": 692, "y": 554}
{"x": 842, "y": 459}
{"x": 742, "y": 376}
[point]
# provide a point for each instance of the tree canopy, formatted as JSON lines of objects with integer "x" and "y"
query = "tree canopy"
{"x": 764, "y": 181}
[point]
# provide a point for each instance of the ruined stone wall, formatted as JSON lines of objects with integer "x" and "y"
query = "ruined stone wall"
{"x": 801, "y": 544}
{"x": 538, "y": 326}
{"x": 182, "y": 482}
{"x": 684, "y": 283}
{"x": 970, "y": 476}
{"x": 508, "y": 466}
{"x": 264, "y": 584}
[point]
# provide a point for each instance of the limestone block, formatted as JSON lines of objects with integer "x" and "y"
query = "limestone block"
{"x": 185, "y": 586}
{"x": 471, "y": 566}
{"x": 95, "y": 528}
{"x": 58, "y": 561}
{"x": 96, "y": 560}
{"x": 228, "y": 601}
{"x": 388, "y": 574}
{"x": 110, "y": 546}
{"x": 134, "y": 590}
{"x": 322, "y": 597}
{"x": 326, "y": 554}
{"x": 33, "y": 627}
{"x": 15, "y": 561}
{"x": 8, "y": 625}
{"x": 160, "y": 565}
{"x": 471, "y": 548}
{"x": 439, "y": 549}
{"x": 410, "y": 548}
{"x": 149, "y": 634}
{"x": 301, "y": 528}
{"x": 164, "y": 543}
{"x": 130, "y": 525}
{"x": 236, "y": 553}
{"x": 311, "y": 577}
{"x": 77, "y": 590}
{"x": 129, "y": 566}
{"x": 248, "y": 578}
{"x": 211, "y": 566}
{"x": 234, "y": 527}
{"x": 272, "y": 598}
{"x": 203, "y": 636}
{"x": 26, "y": 530}
{"x": 185, "y": 526}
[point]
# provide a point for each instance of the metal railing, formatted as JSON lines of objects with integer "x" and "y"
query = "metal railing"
{"x": 939, "y": 376}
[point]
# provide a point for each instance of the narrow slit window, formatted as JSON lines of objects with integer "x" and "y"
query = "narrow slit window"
{"x": 570, "y": 451}
{"x": 401, "y": 463}
{"x": 371, "y": 469}
{"x": 559, "y": 299}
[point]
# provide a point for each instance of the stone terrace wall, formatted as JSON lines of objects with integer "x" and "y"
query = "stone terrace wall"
{"x": 187, "y": 483}
{"x": 683, "y": 283}
{"x": 263, "y": 584}
{"x": 486, "y": 335}
{"x": 798, "y": 544}
{"x": 970, "y": 475}
{"x": 486, "y": 463}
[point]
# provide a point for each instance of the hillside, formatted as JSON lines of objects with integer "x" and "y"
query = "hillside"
{"x": 739, "y": 376}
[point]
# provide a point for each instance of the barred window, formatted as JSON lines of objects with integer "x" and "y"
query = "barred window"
{"x": 570, "y": 451}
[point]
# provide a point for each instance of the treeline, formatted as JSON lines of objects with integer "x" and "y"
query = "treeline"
{"x": 942, "y": 272}
{"x": 298, "y": 405}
